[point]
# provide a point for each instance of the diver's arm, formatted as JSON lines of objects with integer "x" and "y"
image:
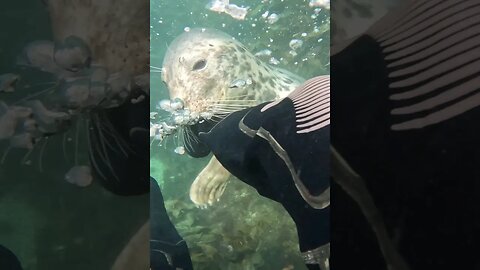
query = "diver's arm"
{"x": 266, "y": 148}
{"x": 168, "y": 250}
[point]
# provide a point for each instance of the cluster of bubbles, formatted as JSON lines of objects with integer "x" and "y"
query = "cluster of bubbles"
{"x": 79, "y": 87}
{"x": 298, "y": 39}
{"x": 178, "y": 117}
{"x": 270, "y": 18}
{"x": 265, "y": 15}
{"x": 240, "y": 83}
{"x": 295, "y": 44}
{"x": 26, "y": 124}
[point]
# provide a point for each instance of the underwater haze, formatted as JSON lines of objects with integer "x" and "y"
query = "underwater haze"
{"x": 243, "y": 230}
{"x": 46, "y": 221}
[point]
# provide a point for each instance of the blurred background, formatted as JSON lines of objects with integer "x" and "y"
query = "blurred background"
{"x": 46, "y": 221}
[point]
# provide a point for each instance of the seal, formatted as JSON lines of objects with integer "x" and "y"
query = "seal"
{"x": 212, "y": 73}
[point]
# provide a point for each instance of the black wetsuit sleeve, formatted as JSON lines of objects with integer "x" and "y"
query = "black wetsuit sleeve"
{"x": 168, "y": 250}
{"x": 195, "y": 147}
{"x": 119, "y": 147}
{"x": 8, "y": 260}
{"x": 252, "y": 160}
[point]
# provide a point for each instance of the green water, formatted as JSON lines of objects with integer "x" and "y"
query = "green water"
{"x": 243, "y": 230}
{"x": 49, "y": 223}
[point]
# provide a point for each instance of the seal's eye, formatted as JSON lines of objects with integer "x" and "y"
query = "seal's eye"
{"x": 200, "y": 64}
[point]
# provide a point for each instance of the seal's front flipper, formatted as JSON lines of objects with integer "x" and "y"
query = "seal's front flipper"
{"x": 209, "y": 185}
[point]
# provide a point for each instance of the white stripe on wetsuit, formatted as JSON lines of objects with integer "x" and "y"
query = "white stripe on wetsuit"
{"x": 311, "y": 101}
{"x": 432, "y": 45}
{"x": 312, "y": 104}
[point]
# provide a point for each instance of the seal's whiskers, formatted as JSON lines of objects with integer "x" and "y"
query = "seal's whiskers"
{"x": 64, "y": 147}
{"x": 39, "y": 84}
{"x": 216, "y": 118}
{"x": 239, "y": 96}
{"x": 42, "y": 151}
{"x": 234, "y": 102}
{"x": 42, "y": 92}
{"x": 228, "y": 110}
{"x": 97, "y": 142}
{"x": 168, "y": 47}
{"x": 191, "y": 135}
{"x": 103, "y": 130}
{"x": 26, "y": 156}
{"x": 5, "y": 153}
{"x": 226, "y": 105}
{"x": 186, "y": 136}
{"x": 119, "y": 141}
{"x": 101, "y": 144}
{"x": 154, "y": 69}
{"x": 163, "y": 118}
{"x": 93, "y": 161}
{"x": 223, "y": 108}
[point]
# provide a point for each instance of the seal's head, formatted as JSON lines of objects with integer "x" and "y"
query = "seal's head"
{"x": 214, "y": 75}
{"x": 206, "y": 68}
